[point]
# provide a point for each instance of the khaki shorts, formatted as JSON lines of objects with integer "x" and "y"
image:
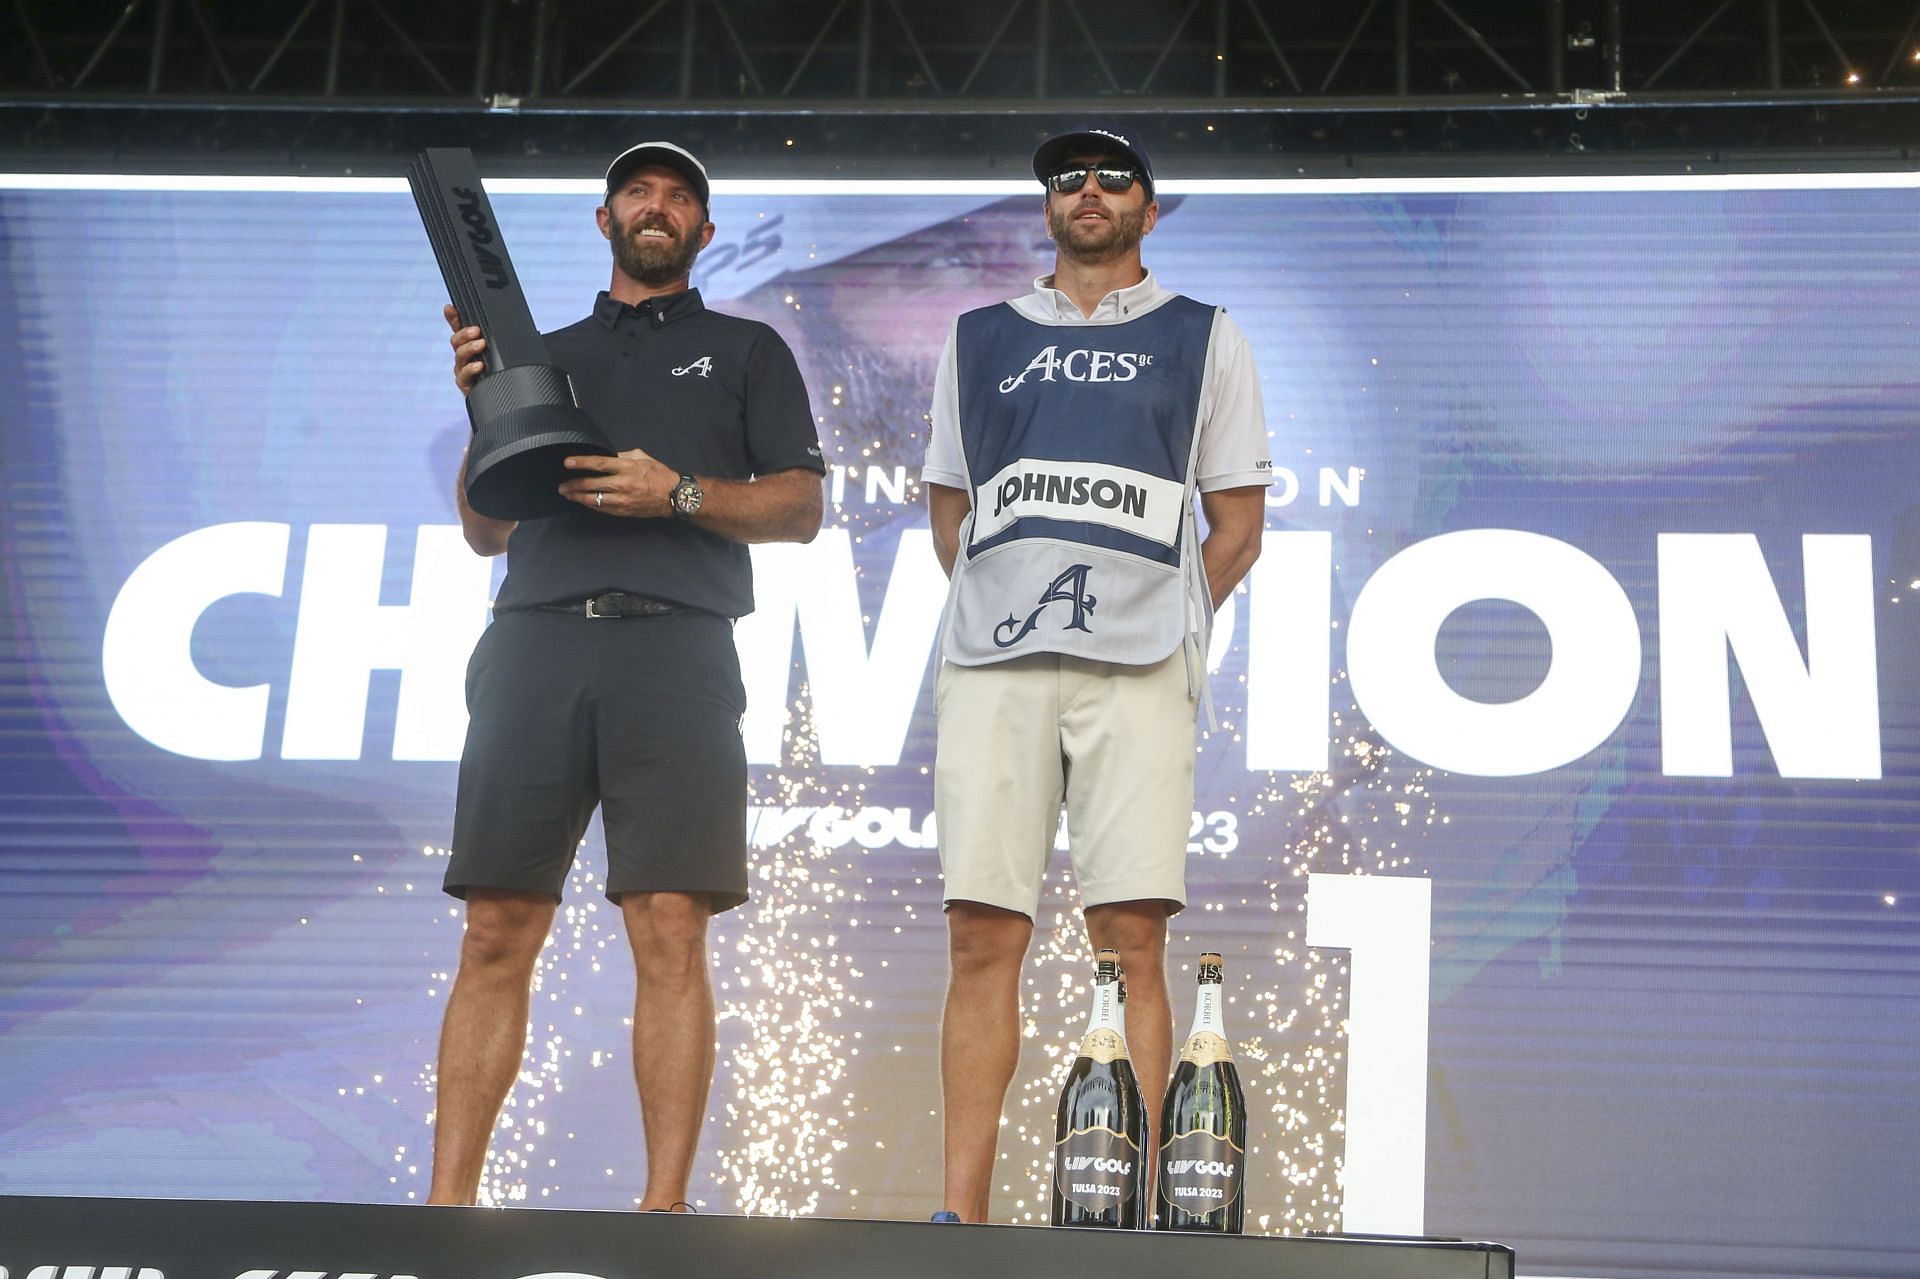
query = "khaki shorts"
{"x": 1017, "y": 737}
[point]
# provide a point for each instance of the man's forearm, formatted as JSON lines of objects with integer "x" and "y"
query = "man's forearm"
{"x": 1236, "y": 518}
{"x": 1227, "y": 559}
{"x": 946, "y": 512}
{"x": 785, "y": 506}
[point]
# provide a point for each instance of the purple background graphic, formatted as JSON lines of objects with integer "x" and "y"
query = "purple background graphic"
{"x": 1672, "y": 1017}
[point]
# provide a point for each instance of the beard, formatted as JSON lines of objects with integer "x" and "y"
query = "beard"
{"x": 1097, "y": 242}
{"x": 652, "y": 262}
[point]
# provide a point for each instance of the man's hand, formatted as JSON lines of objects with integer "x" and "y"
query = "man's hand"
{"x": 782, "y": 506}
{"x": 485, "y": 536}
{"x": 467, "y": 345}
{"x": 946, "y": 510}
{"x": 632, "y": 484}
{"x": 1235, "y": 518}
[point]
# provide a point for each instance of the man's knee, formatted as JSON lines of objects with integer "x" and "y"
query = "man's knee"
{"x": 505, "y": 930}
{"x": 1132, "y": 928}
{"x": 667, "y": 931}
{"x": 983, "y": 939}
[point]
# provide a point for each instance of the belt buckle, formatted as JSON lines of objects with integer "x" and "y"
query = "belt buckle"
{"x": 591, "y": 601}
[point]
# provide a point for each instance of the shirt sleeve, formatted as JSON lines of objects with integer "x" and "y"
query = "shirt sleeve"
{"x": 781, "y": 435}
{"x": 946, "y": 464}
{"x": 1233, "y": 422}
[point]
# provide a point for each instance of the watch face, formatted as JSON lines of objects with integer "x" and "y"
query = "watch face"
{"x": 686, "y": 495}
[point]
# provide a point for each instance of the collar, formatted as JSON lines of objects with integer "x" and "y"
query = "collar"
{"x": 663, "y": 309}
{"x": 1054, "y": 307}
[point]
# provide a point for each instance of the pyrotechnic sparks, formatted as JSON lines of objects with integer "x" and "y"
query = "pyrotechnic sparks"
{"x": 787, "y": 1132}
{"x": 1286, "y": 1003}
{"x": 783, "y": 988}
{"x": 819, "y": 1046}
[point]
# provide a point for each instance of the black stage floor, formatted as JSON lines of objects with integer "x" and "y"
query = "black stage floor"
{"x": 47, "y": 1238}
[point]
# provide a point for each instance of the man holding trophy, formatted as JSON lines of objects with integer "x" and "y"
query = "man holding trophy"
{"x": 609, "y": 677}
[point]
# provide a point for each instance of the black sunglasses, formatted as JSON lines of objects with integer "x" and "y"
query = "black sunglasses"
{"x": 1067, "y": 181}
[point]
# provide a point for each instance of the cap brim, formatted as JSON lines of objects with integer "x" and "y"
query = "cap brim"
{"x": 665, "y": 155}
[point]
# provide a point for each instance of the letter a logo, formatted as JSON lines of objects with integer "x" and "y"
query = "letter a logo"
{"x": 1068, "y": 588}
{"x": 703, "y": 366}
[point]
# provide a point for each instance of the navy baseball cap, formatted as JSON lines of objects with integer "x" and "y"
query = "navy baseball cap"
{"x": 679, "y": 159}
{"x": 1056, "y": 151}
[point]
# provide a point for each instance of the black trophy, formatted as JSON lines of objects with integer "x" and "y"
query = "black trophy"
{"x": 524, "y": 415}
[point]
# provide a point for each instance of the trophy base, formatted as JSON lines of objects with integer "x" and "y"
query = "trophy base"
{"x": 525, "y": 424}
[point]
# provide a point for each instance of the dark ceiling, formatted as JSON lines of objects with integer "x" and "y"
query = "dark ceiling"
{"x": 1255, "y": 87}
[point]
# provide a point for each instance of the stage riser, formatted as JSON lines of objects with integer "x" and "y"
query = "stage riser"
{"x": 179, "y": 1239}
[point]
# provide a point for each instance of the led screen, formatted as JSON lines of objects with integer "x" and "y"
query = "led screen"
{"x": 1557, "y": 818}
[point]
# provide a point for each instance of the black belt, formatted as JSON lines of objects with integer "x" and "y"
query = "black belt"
{"x": 614, "y": 604}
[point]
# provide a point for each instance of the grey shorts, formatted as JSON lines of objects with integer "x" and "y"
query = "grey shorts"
{"x": 639, "y": 715}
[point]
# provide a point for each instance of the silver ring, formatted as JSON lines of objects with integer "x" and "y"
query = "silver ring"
{"x": 599, "y": 499}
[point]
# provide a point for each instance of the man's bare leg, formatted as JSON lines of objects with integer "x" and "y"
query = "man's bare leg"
{"x": 485, "y": 1032}
{"x": 672, "y": 1033}
{"x": 1138, "y": 930}
{"x": 979, "y": 1045}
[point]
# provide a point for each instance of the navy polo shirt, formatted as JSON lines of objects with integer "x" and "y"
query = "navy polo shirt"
{"x": 707, "y": 394}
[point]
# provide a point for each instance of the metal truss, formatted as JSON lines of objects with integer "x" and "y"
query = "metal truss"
{"x": 939, "y": 87}
{"x": 814, "y": 57}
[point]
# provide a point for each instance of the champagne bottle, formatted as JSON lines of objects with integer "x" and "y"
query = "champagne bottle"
{"x": 1203, "y": 1126}
{"x": 1096, "y": 1138}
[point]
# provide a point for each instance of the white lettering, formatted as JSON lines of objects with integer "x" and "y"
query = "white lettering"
{"x": 862, "y": 701}
{"x": 1044, "y": 362}
{"x": 1289, "y": 652}
{"x": 146, "y": 652}
{"x": 1589, "y": 685}
{"x": 1819, "y": 712}
{"x": 769, "y": 827}
{"x": 1334, "y": 483}
{"x": 894, "y": 482}
{"x": 345, "y": 633}
{"x": 1347, "y": 489}
{"x": 1820, "y": 716}
{"x": 1285, "y": 487}
{"x": 1387, "y": 923}
{"x": 832, "y": 827}
{"x": 827, "y": 829}
{"x": 1082, "y": 365}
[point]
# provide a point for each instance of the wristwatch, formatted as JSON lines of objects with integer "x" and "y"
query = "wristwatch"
{"x": 686, "y": 498}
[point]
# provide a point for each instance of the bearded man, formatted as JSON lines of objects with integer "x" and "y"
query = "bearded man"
{"x": 1072, "y": 428}
{"x": 609, "y": 677}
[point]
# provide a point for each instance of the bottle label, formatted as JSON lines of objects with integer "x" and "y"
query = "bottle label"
{"x": 1096, "y": 1168}
{"x": 1201, "y": 1171}
{"x": 1204, "y": 1048}
{"x": 1104, "y": 1045}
